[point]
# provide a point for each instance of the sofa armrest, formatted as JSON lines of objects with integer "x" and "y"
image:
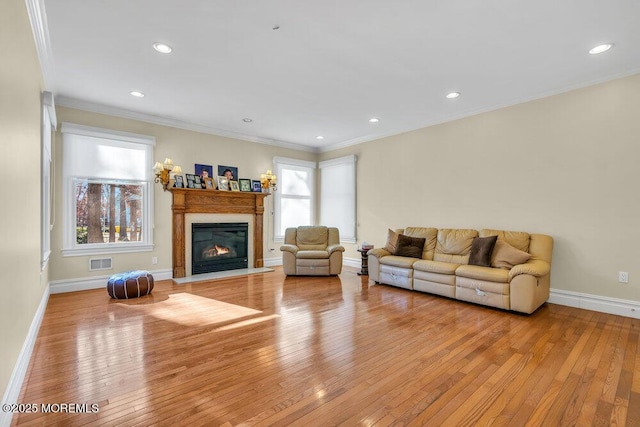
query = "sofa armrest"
{"x": 378, "y": 252}
{"x": 333, "y": 248}
{"x": 537, "y": 268}
{"x": 289, "y": 248}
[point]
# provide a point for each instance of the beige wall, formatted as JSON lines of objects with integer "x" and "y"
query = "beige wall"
{"x": 22, "y": 284}
{"x": 564, "y": 165}
{"x": 186, "y": 148}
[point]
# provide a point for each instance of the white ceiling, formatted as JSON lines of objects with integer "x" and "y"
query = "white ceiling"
{"x": 333, "y": 64}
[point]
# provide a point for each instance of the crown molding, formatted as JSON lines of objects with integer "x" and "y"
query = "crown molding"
{"x": 164, "y": 121}
{"x": 40, "y": 28}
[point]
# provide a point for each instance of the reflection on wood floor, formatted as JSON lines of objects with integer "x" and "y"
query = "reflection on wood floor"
{"x": 269, "y": 350}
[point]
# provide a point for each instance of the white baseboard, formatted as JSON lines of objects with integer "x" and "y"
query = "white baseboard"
{"x": 96, "y": 282}
{"x": 352, "y": 262}
{"x": 599, "y": 303}
{"x": 14, "y": 386}
{"x": 272, "y": 262}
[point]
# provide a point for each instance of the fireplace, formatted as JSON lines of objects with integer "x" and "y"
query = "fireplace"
{"x": 219, "y": 246}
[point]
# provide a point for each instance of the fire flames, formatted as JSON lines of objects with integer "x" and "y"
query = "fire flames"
{"x": 214, "y": 251}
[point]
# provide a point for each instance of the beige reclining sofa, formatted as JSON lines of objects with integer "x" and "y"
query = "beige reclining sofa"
{"x": 514, "y": 275}
{"x": 312, "y": 251}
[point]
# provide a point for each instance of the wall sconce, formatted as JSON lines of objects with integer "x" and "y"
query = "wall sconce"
{"x": 268, "y": 181}
{"x": 165, "y": 172}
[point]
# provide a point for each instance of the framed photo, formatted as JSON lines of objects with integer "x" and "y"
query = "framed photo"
{"x": 190, "y": 180}
{"x": 205, "y": 171}
{"x": 234, "y": 185}
{"x": 245, "y": 184}
{"x": 256, "y": 186}
{"x": 223, "y": 183}
{"x": 178, "y": 182}
{"x": 208, "y": 184}
{"x": 197, "y": 182}
{"x": 229, "y": 172}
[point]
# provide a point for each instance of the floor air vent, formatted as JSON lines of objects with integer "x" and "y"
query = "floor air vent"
{"x": 100, "y": 264}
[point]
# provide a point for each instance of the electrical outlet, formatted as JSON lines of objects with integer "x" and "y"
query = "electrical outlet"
{"x": 623, "y": 277}
{"x": 154, "y": 260}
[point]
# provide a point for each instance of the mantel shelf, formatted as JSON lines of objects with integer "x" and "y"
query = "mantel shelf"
{"x": 191, "y": 200}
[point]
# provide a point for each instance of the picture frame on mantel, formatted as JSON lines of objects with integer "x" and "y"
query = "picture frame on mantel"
{"x": 190, "y": 180}
{"x": 230, "y": 172}
{"x": 234, "y": 185}
{"x": 208, "y": 184}
{"x": 223, "y": 183}
{"x": 205, "y": 171}
{"x": 245, "y": 185}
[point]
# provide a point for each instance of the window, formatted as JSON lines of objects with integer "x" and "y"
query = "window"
{"x": 49, "y": 122}
{"x": 294, "y": 201}
{"x": 107, "y": 191}
{"x": 338, "y": 196}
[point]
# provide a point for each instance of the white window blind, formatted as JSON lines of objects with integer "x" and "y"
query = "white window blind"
{"x": 294, "y": 201}
{"x": 338, "y": 196}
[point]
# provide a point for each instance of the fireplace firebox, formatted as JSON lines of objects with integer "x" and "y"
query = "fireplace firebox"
{"x": 219, "y": 247}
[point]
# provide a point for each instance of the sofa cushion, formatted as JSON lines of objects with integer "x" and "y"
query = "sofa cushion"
{"x": 312, "y": 254}
{"x": 392, "y": 241}
{"x": 454, "y": 245}
{"x": 436, "y": 266}
{"x": 397, "y": 261}
{"x": 483, "y": 273}
{"x": 506, "y": 256}
{"x": 518, "y": 239}
{"x": 410, "y": 246}
{"x": 311, "y": 237}
{"x": 430, "y": 235}
{"x": 481, "y": 249}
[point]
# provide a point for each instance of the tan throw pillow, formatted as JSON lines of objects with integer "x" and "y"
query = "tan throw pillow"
{"x": 506, "y": 256}
{"x": 392, "y": 241}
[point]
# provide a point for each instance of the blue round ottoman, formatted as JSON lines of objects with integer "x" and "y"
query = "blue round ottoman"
{"x": 130, "y": 284}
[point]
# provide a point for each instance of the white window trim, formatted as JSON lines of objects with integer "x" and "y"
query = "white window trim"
{"x": 348, "y": 160}
{"x": 49, "y": 123}
{"x": 277, "y": 163}
{"x": 70, "y": 247}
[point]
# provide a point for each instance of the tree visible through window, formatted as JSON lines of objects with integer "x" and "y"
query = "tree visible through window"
{"x": 108, "y": 212}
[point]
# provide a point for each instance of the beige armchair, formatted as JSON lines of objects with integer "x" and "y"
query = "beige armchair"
{"x": 312, "y": 251}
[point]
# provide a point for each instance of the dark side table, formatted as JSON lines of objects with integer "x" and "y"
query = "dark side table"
{"x": 364, "y": 269}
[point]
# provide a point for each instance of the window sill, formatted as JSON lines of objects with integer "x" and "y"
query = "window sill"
{"x": 107, "y": 249}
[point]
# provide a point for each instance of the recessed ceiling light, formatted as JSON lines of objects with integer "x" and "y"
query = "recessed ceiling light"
{"x": 247, "y": 120}
{"x": 453, "y": 95}
{"x": 374, "y": 120}
{"x": 600, "y": 48}
{"x": 162, "y": 48}
{"x": 137, "y": 94}
{"x": 319, "y": 137}
{"x": 275, "y": 27}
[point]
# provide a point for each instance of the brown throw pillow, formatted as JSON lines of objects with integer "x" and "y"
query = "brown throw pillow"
{"x": 481, "y": 249}
{"x": 506, "y": 256}
{"x": 392, "y": 241}
{"x": 410, "y": 246}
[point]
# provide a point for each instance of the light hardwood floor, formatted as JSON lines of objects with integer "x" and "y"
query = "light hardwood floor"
{"x": 269, "y": 350}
